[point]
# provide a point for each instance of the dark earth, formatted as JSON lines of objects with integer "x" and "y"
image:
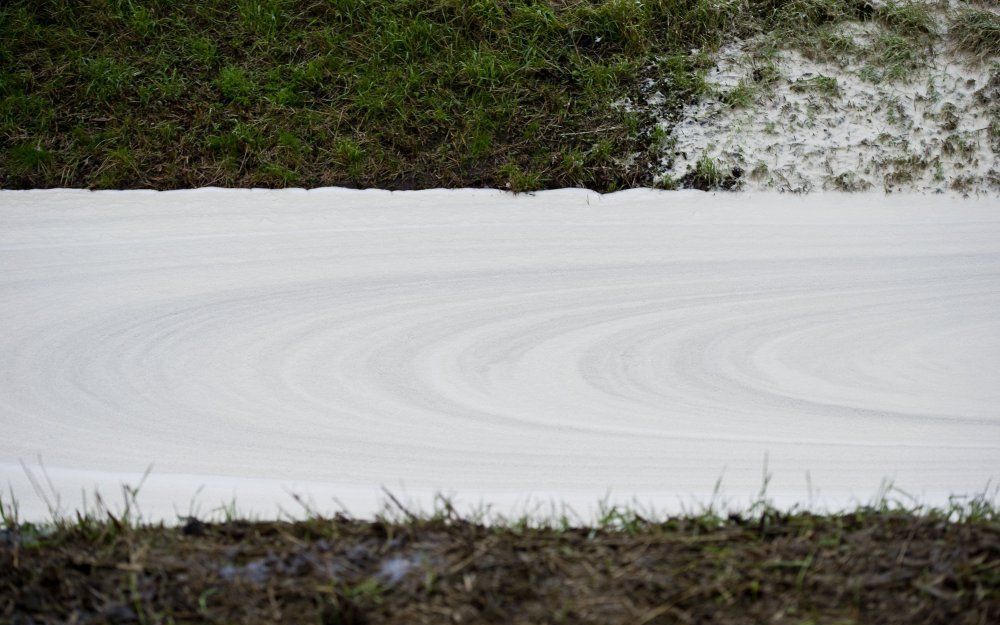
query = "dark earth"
{"x": 866, "y": 567}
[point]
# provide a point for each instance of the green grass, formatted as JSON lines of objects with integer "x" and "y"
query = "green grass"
{"x": 976, "y": 32}
{"x": 911, "y": 19}
{"x": 398, "y": 94}
{"x": 401, "y": 94}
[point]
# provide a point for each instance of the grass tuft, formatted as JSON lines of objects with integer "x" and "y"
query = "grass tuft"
{"x": 708, "y": 176}
{"x": 28, "y": 158}
{"x": 976, "y": 32}
{"x": 235, "y": 85}
{"x": 908, "y": 19}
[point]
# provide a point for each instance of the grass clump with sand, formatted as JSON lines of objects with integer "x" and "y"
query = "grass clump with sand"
{"x": 977, "y": 32}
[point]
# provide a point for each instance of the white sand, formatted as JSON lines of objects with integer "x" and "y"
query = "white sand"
{"x": 559, "y": 346}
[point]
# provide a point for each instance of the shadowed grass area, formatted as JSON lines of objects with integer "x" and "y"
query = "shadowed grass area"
{"x": 884, "y": 563}
{"x": 397, "y": 94}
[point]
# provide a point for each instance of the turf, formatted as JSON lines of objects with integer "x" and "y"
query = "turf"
{"x": 397, "y": 94}
{"x": 869, "y": 566}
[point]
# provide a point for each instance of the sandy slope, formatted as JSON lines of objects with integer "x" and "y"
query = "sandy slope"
{"x": 842, "y": 122}
{"x": 561, "y": 344}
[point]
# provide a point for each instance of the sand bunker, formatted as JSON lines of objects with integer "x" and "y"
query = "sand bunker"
{"x": 559, "y": 345}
